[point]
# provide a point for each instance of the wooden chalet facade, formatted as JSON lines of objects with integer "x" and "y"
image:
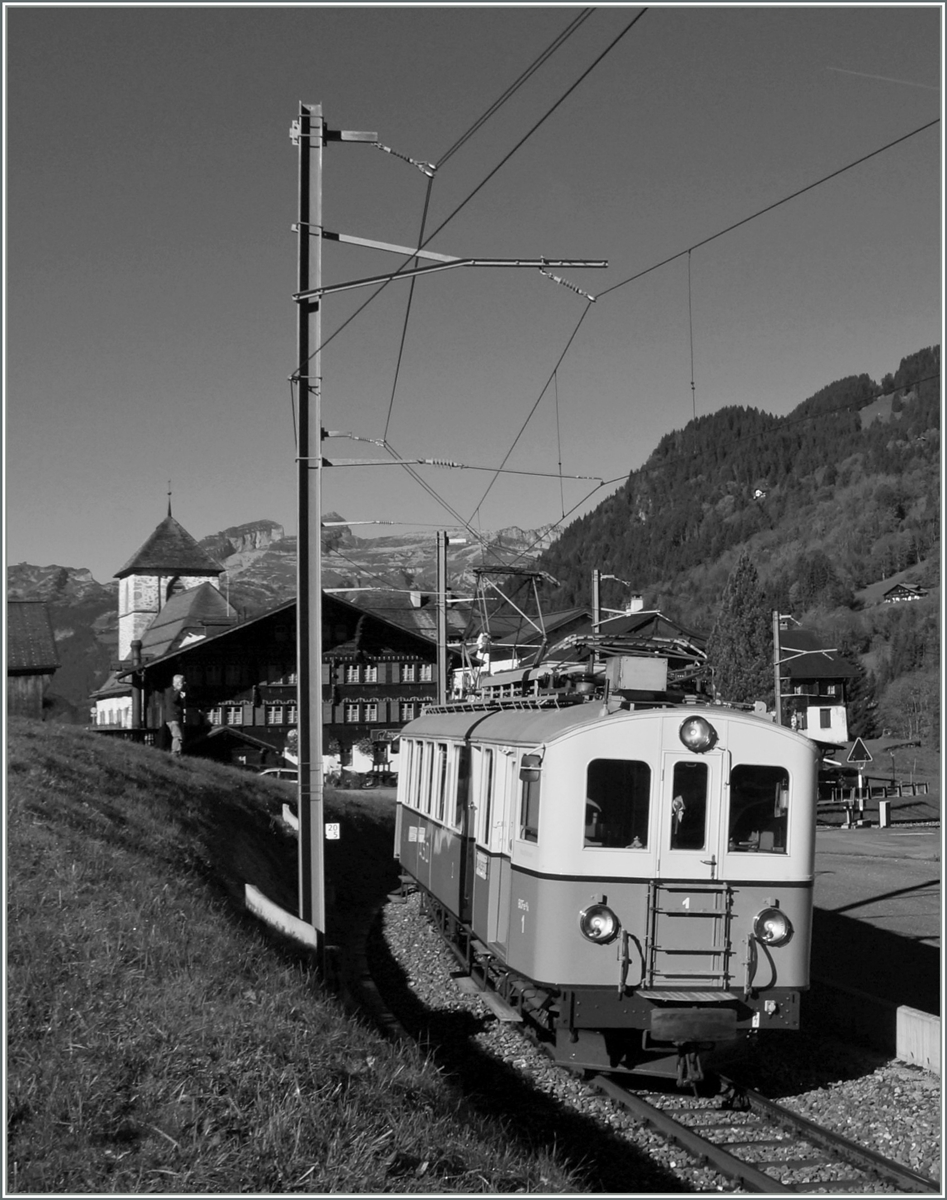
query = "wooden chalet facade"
{"x": 31, "y": 657}
{"x": 813, "y": 683}
{"x": 902, "y": 592}
{"x": 242, "y": 684}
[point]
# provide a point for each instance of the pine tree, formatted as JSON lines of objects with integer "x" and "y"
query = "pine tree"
{"x": 740, "y": 648}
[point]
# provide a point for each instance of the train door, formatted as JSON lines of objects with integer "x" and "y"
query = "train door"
{"x": 464, "y": 819}
{"x": 480, "y": 820}
{"x": 689, "y": 906}
{"x": 504, "y": 791}
{"x": 433, "y": 755}
{"x": 689, "y": 842}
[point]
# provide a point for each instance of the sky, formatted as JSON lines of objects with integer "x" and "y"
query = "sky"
{"x": 151, "y": 189}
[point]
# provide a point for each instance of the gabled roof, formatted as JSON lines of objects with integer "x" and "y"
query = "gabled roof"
{"x": 113, "y": 686}
{"x": 187, "y": 612}
{"x": 31, "y": 646}
{"x": 910, "y": 589}
{"x": 648, "y": 623}
{"x": 202, "y": 611}
{"x": 524, "y": 634}
{"x": 398, "y": 608}
{"x": 170, "y": 551}
{"x": 816, "y": 662}
{"x": 357, "y": 618}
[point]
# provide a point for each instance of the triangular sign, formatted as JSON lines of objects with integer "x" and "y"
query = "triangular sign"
{"x": 859, "y": 752}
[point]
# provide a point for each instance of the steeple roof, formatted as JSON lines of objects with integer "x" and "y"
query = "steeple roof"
{"x": 170, "y": 551}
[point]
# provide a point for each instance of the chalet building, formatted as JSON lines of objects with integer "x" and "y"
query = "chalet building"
{"x": 902, "y": 592}
{"x": 242, "y": 684}
{"x": 812, "y": 686}
{"x": 379, "y": 667}
{"x": 31, "y": 657}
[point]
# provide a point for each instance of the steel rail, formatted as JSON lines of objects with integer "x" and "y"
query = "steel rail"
{"x": 702, "y": 1149}
{"x": 752, "y": 1176}
{"x": 859, "y": 1156}
{"x": 836, "y": 1148}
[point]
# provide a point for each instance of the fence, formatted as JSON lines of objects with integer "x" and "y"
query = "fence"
{"x": 876, "y": 791}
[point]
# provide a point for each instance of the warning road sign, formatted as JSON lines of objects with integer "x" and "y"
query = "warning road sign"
{"x": 859, "y": 753}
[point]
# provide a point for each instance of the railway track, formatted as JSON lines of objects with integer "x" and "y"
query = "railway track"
{"x": 764, "y": 1147}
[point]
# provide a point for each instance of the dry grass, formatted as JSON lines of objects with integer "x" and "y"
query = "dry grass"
{"x": 159, "y": 1040}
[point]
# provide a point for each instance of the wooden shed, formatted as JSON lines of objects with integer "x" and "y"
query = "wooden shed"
{"x": 31, "y": 657}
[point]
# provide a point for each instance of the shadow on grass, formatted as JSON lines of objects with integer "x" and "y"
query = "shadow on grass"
{"x": 605, "y": 1161}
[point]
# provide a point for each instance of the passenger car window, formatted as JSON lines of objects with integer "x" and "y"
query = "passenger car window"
{"x": 759, "y": 809}
{"x": 617, "y": 804}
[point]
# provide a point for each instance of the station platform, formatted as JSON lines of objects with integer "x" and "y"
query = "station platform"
{"x": 876, "y": 936}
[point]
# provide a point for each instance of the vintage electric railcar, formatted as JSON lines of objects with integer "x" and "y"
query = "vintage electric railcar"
{"x": 637, "y": 882}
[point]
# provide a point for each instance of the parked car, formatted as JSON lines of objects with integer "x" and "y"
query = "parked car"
{"x": 286, "y": 774}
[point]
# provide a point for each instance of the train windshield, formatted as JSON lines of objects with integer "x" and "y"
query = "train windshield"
{"x": 759, "y": 809}
{"x": 618, "y": 804}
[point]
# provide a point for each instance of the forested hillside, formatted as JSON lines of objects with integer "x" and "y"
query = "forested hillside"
{"x": 838, "y": 495}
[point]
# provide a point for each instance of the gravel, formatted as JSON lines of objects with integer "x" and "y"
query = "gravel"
{"x": 889, "y": 1107}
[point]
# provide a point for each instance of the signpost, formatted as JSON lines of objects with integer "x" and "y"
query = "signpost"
{"x": 859, "y": 756}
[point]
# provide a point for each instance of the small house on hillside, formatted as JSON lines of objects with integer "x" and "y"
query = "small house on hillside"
{"x": 32, "y": 658}
{"x": 903, "y": 591}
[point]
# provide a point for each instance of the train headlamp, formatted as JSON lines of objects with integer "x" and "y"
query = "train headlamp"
{"x": 599, "y": 924}
{"x": 772, "y": 927}
{"x": 698, "y": 734}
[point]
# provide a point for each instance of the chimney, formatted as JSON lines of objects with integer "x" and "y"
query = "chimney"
{"x": 418, "y": 599}
{"x": 635, "y": 603}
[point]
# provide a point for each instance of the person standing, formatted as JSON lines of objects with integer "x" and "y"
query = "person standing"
{"x": 174, "y": 712}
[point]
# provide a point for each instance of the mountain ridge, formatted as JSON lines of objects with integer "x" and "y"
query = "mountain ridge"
{"x": 831, "y": 500}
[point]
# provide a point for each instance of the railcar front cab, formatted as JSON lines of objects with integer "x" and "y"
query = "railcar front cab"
{"x": 700, "y": 859}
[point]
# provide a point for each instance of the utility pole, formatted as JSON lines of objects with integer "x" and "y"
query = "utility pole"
{"x": 596, "y": 614}
{"x": 311, "y": 138}
{"x": 442, "y": 688}
{"x": 309, "y": 132}
{"x": 776, "y": 665}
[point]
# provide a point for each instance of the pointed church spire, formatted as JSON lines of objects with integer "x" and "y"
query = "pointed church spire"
{"x": 169, "y": 497}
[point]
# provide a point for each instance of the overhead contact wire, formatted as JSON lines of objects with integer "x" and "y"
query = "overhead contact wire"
{"x": 407, "y": 314}
{"x": 510, "y": 91}
{"x": 516, "y": 85}
{"x": 769, "y": 207}
{"x": 483, "y": 183}
{"x": 720, "y": 233}
{"x": 503, "y": 161}
{"x": 533, "y": 409}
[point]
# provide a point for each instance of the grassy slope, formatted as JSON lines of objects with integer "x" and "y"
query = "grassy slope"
{"x": 159, "y": 1040}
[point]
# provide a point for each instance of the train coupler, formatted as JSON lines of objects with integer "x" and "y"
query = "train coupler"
{"x": 690, "y": 1070}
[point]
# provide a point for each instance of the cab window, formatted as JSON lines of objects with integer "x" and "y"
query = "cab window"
{"x": 617, "y": 804}
{"x": 759, "y": 809}
{"x": 529, "y": 811}
{"x": 689, "y": 806}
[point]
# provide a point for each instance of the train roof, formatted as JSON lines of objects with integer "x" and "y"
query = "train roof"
{"x": 505, "y": 724}
{"x": 531, "y": 725}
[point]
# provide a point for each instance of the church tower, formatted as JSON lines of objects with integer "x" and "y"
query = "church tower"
{"x": 170, "y": 561}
